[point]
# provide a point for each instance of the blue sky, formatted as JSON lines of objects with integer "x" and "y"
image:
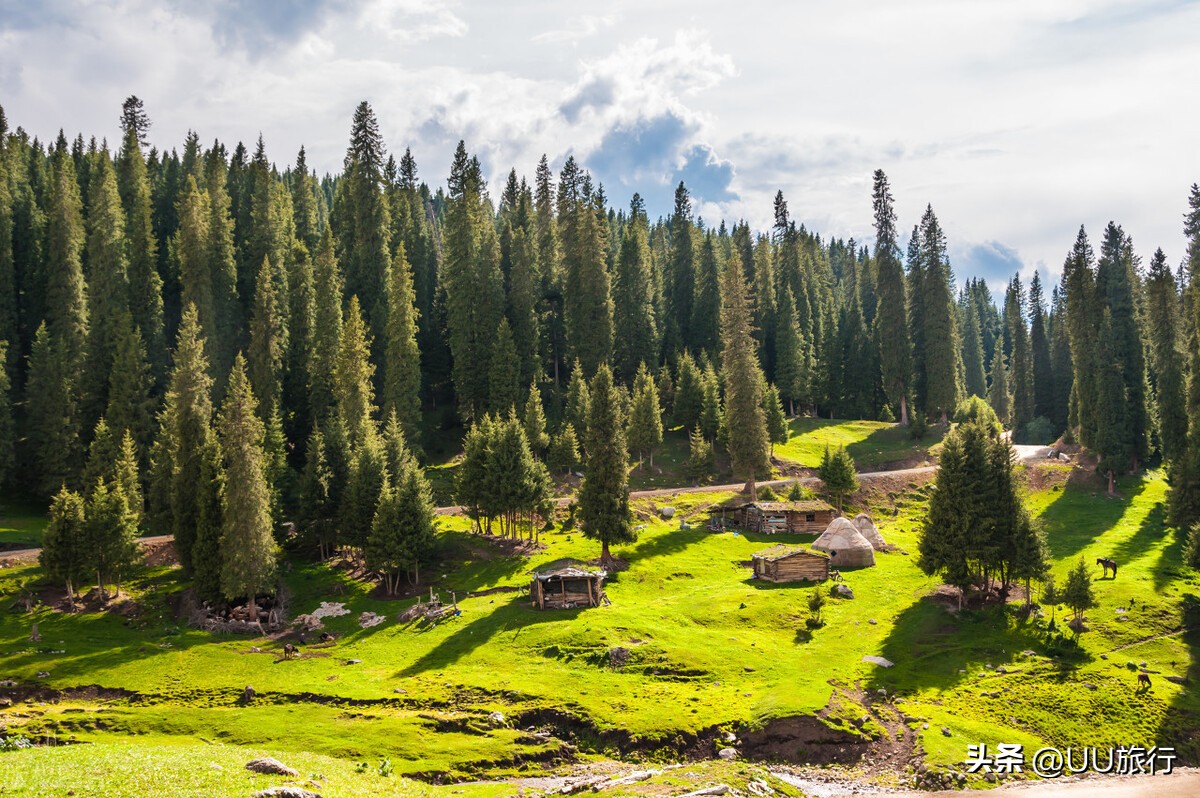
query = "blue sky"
{"x": 1018, "y": 121}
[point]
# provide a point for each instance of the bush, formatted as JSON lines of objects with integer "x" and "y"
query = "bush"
{"x": 975, "y": 409}
{"x": 1191, "y": 550}
{"x": 798, "y": 493}
{"x": 1038, "y": 431}
{"x": 765, "y": 494}
{"x": 886, "y": 415}
{"x": 917, "y": 426}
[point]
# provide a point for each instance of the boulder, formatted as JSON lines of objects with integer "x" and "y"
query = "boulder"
{"x": 843, "y": 591}
{"x": 496, "y": 719}
{"x": 1176, "y": 679}
{"x": 880, "y": 661}
{"x": 728, "y": 754}
{"x": 666, "y": 512}
{"x": 270, "y": 766}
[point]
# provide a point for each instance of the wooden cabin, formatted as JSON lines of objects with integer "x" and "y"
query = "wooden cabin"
{"x": 800, "y": 517}
{"x": 566, "y": 584}
{"x": 791, "y": 564}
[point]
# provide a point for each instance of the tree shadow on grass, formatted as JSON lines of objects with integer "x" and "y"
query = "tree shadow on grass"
{"x": 672, "y": 541}
{"x": 1180, "y": 726}
{"x": 478, "y": 632}
{"x": 889, "y": 445}
{"x": 932, "y": 648}
{"x": 1074, "y": 520}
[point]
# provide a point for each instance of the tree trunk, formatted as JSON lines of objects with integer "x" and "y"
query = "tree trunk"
{"x": 904, "y": 412}
{"x": 605, "y": 556}
{"x": 651, "y": 459}
{"x": 751, "y": 488}
{"x": 945, "y": 420}
{"x": 1112, "y": 483}
{"x": 791, "y": 407}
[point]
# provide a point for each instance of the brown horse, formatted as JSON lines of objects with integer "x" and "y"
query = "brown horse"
{"x": 1143, "y": 681}
{"x": 290, "y": 651}
{"x": 1107, "y": 564}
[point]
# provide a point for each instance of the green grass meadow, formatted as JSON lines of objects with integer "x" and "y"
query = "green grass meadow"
{"x": 709, "y": 649}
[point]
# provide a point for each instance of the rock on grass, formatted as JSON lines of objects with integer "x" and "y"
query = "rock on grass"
{"x": 271, "y": 766}
{"x": 285, "y": 792}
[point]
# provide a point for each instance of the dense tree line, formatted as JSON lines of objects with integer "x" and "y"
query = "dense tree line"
{"x": 363, "y": 310}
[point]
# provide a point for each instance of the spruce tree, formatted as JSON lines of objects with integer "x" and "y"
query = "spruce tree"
{"x": 525, "y": 289}
{"x": 645, "y": 417}
{"x": 679, "y": 275}
{"x": 742, "y": 376}
{"x": 130, "y": 402}
{"x": 1077, "y": 592}
{"x": 108, "y": 281}
{"x": 362, "y": 223}
{"x": 66, "y": 292}
{"x": 891, "y": 319}
{"x": 604, "y": 495}
{"x": 998, "y": 392}
{"x": 145, "y": 282}
{"x": 563, "y": 456}
{"x": 689, "y": 393}
{"x": 1079, "y": 285}
{"x": 9, "y": 311}
{"x": 1039, "y": 345}
{"x": 367, "y": 480}
{"x": 777, "y": 423}
{"x": 1166, "y": 356}
{"x": 837, "y": 473}
{"x": 327, "y": 329}
{"x": 1116, "y": 282}
{"x": 635, "y": 324}
{"x": 942, "y": 353}
{"x": 207, "y": 560}
{"x": 791, "y": 353}
{"x": 64, "y": 555}
{"x": 705, "y": 327}
{"x": 184, "y": 426}
{"x": 1020, "y": 364}
{"x": 402, "y": 369}
{"x": 110, "y": 537}
{"x": 222, "y": 268}
{"x": 712, "y": 410}
{"x": 352, "y": 373}
{"x": 268, "y": 342}
{"x": 587, "y": 298}
{"x": 52, "y": 421}
{"x": 975, "y": 381}
{"x": 578, "y": 398}
{"x": 504, "y": 390}
{"x": 248, "y": 549}
{"x": 190, "y": 247}
{"x": 534, "y": 418}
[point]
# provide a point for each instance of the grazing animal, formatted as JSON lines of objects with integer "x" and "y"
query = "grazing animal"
{"x": 248, "y": 694}
{"x": 1107, "y": 564}
{"x": 290, "y": 651}
{"x": 326, "y": 637}
{"x": 1143, "y": 680}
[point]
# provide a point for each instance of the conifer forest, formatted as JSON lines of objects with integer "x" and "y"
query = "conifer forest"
{"x": 401, "y": 380}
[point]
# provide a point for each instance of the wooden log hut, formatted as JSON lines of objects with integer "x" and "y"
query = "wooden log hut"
{"x": 808, "y": 517}
{"x": 790, "y": 564}
{"x": 567, "y": 584}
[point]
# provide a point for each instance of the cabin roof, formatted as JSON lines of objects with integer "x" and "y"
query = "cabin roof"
{"x": 783, "y": 551}
{"x": 804, "y": 506}
{"x": 567, "y": 569}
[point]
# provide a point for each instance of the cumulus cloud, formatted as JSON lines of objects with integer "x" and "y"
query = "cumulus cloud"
{"x": 578, "y": 28}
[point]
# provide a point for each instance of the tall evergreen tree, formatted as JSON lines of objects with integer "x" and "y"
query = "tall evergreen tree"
{"x": 679, "y": 278}
{"x": 604, "y": 495}
{"x": 645, "y": 416}
{"x": 792, "y": 354}
{"x": 1166, "y": 356}
{"x": 748, "y": 444}
{"x": 53, "y": 419}
{"x": 504, "y": 390}
{"x": 268, "y": 341}
{"x": 145, "y": 282}
{"x": 891, "y": 319}
{"x": 352, "y": 373}
{"x": 402, "y": 365}
{"x": 327, "y": 329}
{"x": 1020, "y": 372}
{"x": 64, "y": 551}
{"x": 705, "y": 327}
{"x": 207, "y": 559}
{"x": 975, "y": 382}
{"x": 999, "y": 395}
{"x": 66, "y": 291}
{"x": 534, "y": 418}
{"x": 588, "y": 306}
{"x": 248, "y": 549}
{"x": 943, "y": 355}
{"x": 108, "y": 280}
{"x": 1039, "y": 345}
{"x": 1079, "y": 286}
{"x": 361, "y": 221}
{"x": 130, "y": 403}
{"x": 635, "y": 325}
{"x": 184, "y": 424}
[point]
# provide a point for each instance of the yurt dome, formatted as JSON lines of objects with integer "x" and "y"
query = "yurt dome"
{"x": 845, "y": 545}
{"x": 866, "y": 527}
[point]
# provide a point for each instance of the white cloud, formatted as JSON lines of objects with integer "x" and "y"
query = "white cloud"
{"x": 412, "y": 20}
{"x": 576, "y": 29}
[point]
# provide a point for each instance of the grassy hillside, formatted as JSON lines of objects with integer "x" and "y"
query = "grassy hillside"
{"x": 709, "y": 650}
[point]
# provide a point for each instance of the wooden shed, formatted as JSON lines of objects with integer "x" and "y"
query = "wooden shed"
{"x": 804, "y": 517}
{"x": 791, "y": 564}
{"x": 567, "y": 584}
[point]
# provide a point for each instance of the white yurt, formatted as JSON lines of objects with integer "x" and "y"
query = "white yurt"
{"x": 866, "y": 527}
{"x": 845, "y": 545}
